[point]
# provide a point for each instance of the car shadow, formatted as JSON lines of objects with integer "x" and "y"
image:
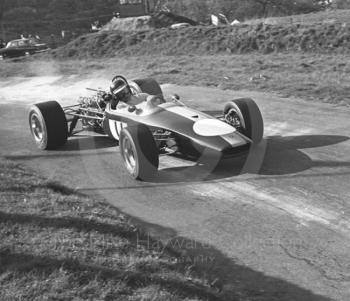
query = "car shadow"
{"x": 85, "y": 142}
{"x": 277, "y": 155}
{"x": 231, "y": 279}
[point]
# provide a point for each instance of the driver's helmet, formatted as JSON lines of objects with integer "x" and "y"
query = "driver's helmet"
{"x": 120, "y": 89}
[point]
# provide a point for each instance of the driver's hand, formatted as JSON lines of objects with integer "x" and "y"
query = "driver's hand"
{"x": 107, "y": 97}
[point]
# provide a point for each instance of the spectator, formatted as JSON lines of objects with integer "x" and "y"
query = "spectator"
{"x": 116, "y": 15}
{"x": 95, "y": 26}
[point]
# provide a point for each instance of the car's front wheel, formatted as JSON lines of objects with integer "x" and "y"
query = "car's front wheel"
{"x": 139, "y": 152}
{"x": 245, "y": 116}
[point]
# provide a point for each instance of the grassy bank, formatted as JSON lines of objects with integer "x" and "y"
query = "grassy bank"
{"x": 58, "y": 245}
{"x": 322, "y": 77}
{"x": 210, "y": 40}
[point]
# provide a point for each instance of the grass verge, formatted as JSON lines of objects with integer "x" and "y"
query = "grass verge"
{"x": 59, "y": 245}
{"x": 322, "y": 77}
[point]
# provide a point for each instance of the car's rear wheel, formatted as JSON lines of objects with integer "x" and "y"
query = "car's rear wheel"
{"x": 48, "y": 125}
{"x": 139, "y": 152}
{"x": 146, "y": 85}
{"x": 245, "y": 116}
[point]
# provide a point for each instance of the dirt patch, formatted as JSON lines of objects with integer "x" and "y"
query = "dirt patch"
{"x": 129, "y": 24}
{"x": 158, "y": 20}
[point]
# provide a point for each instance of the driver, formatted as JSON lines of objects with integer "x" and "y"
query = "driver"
{"x": 121, "y": 92}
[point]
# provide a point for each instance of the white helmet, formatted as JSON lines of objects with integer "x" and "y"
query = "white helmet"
{"x": 120, "y": 88}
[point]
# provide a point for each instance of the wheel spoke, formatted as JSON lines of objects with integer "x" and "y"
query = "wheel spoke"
{"x": 36, "y": 128}
{"x": 129, "y": 155}
{"x": 233, "y": 118}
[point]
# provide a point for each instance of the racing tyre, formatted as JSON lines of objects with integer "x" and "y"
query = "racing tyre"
{"x": 244, "y": 114}
{"x": 113, "y": 128}
{"x": 146, "y": 85}
{"x": 48, "y": 125}
{"x": 139, "y": 152}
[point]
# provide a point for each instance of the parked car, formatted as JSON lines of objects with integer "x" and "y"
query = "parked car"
{"x": 22, "y": 47}
{"x": 156, "y": 126}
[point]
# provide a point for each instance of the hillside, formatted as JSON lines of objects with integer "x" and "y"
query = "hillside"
{"x": 310, "y": 61}
{"x": 50, "y": 17}
{"x": 204, "y": 40}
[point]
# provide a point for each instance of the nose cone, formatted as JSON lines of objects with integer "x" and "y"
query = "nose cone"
{"x": 212, "y": 127}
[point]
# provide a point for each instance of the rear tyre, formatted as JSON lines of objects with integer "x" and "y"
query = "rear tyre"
{"x": 244, "y": 114}
{"x": 139, "y": 152}
{"x": 146, "y": 85}
{"x": 48, "y": 125}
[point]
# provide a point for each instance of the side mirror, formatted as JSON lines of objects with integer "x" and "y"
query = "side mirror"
{"x": 175, "y": 97}
{"x": 131, "y": 108}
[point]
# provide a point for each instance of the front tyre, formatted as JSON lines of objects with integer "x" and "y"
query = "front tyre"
{"x": 245, "y": 116}
{"x": 48, "y": 125}
{"x": 139, "y": 152}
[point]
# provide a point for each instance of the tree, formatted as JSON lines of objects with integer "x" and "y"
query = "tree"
{"x": 63, "y": 7}
{"x": 341, "y": 4}
{"x": 4, "y": 6}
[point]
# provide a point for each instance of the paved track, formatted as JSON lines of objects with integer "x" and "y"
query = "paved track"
{"x": 277, "y": 223}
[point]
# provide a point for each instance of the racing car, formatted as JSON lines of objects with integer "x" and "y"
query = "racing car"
{"x": 155, "y": 126}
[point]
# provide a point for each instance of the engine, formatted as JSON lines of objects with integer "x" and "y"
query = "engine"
{"x": 92, "y": 108}
{"x": 94, "y": 102}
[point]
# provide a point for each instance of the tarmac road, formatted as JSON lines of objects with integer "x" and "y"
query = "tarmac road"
{"x": 276, "y": 223}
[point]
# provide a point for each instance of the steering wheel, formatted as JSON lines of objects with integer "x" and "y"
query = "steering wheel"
{"x": 122, "y": 78}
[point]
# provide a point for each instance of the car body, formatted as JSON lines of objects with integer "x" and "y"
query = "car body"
{"x": 193, "y": 130}
{"x": 22, "y": 47}
{"x": 156, "y": 126}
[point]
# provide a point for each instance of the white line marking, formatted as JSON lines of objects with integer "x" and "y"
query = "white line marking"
{"x": 297, "y": 206}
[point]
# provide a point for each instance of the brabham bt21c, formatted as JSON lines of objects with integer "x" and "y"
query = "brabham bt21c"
{"x": 148, "y": 125}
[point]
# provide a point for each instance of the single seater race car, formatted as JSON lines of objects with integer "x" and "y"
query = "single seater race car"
{"x": 154, "y": 126}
